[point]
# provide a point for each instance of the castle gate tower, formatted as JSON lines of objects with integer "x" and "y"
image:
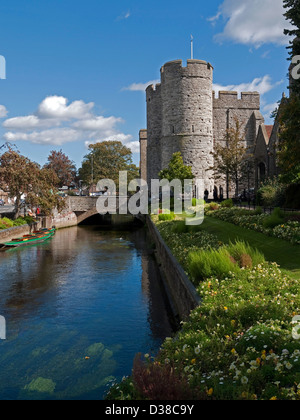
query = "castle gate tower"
{"x": 180, "y": 118}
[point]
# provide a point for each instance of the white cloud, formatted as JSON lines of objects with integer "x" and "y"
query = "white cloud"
{"x": 28, "y": 123}
{"x": 57, "y": 107}
{"x": 253, "y": 22}
{"x": 141, "y": 87}
{"x": 97, "y": 123}
{"x": 268, "y": 109}
{"x": 56, "y": 122}
{"x": 3, "y": 111}
{"x": 124, "y": 16}
{"x": 260, "y": 84}
{"x": 56, "y": 137}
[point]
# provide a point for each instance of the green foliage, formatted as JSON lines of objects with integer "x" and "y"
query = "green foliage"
{"x": 240, "y": 251}
{"x": 177, "y": 170}
{"x": 227, "y": 203}
{"x": 197, "y": 202}
{"x": 275, "y": 219}
{"x": 6, "y": 223}
{"x": 26, "y": 177}
{"x": 180, "y": 227}
{"x": 230, "y": 160}
{"x": 166, "y": 216}
{"x": 271, "y": 193}
{"x": 212, "y": 206}
{"x": 237, "y": 345}
{"x": 183, "y": 239}
{"x": 292, "y": 197}
{"x": 211, "y": 263}
{"x": 105, "y": 160}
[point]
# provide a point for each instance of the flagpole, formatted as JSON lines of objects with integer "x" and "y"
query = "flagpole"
{"x": 192, "y": 47}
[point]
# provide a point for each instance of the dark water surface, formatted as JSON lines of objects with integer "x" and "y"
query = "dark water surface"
{"x": 78, "y": 308}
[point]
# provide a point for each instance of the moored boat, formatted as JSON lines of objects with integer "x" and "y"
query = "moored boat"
{"x": 35, "y": 238}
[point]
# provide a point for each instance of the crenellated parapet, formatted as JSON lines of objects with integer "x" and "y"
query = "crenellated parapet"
{"x": 230, "y": 99}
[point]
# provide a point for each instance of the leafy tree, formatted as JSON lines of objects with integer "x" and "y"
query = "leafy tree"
{"x": 64, "y": 168}
{"x": 105, "y": 161}
{"x": 230, "y": 158}
{"x": 289, "y": 145}
{"x": 19, "y": 175}
{"x": 177, "y": 170}
{"x": 289, "y": 111}
{"x": 292, "y": 14}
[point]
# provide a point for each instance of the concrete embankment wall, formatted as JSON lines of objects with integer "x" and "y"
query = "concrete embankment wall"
{"x": 182, "y": 292}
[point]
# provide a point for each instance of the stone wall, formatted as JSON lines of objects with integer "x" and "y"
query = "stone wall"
{"x": 7, "y": 235}
{"x": 181, "y": 291}
{"x": 143, "y": 154}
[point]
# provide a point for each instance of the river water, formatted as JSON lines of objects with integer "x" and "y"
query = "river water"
{"x": 78, "y": 308}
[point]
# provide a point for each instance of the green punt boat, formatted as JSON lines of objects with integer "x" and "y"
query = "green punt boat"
{"x": 37, "y": 237}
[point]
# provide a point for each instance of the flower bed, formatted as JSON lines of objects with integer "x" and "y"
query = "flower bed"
{"x": 181, "y": 244}
{"x": 288, "y": 230}
{"x": 237, "y": 345}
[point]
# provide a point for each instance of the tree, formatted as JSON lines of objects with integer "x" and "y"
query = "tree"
{"x": 105, "y": 161}
{"x": 177, "y": 170}
{"x": 292, "y": 14}
{"x": 289, "y": 144}
{"x": 64, "y": 168}
{"x": 231, "y": 159}
{"x": 20, "y": 176}
{"x": 289, "y": 111}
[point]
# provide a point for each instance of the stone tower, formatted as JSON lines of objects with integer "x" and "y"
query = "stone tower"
{"x": 185, "y": 115}
{"x": 180, "y": 118}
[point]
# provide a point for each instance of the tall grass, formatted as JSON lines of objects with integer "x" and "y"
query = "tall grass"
{"x": 219, "y": 263}
{"x": 211, "y": 263}
{"x": 241, "y": 250}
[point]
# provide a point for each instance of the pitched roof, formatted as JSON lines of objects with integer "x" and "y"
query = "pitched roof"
{"x": 269, "y": 129}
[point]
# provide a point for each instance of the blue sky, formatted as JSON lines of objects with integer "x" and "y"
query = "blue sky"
{"x": 76, "y": 71}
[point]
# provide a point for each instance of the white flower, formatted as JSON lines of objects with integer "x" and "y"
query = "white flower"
{"x": 244, "y": 380}
{"x": 197, "y": 350}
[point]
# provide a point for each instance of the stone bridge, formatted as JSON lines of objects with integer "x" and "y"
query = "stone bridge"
{"x": 85, "y": 207}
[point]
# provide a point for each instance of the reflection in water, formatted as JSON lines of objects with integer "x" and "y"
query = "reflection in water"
{"x": 78, "y": 308}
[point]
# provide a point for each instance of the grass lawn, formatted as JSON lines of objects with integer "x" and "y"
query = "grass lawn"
{"x": 275, "y": 250}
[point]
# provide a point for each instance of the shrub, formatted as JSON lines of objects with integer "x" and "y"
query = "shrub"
{"x": 275, "y": 219}
{"x": 180, "y": 227}
{"x": 197, "y": 202}
{"x": 227, "y": 204}
{"x": 212, "y": 206}
{"x": 211, "y": 263}
{"x": 156, "y": 381}
{"x": 245, "y": 255}
{"x": 166, "y": 216}
{"x": 271, "y": 193}
{"x": 258, "y": 211}
{"x": 6, "y": 223}
{"x": 20, "y": 222}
